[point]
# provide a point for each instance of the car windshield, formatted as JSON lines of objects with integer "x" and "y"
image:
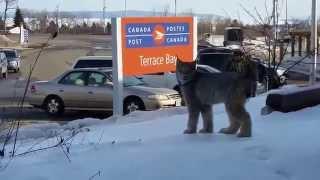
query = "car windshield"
{"x": 235, "y": 35}
{"x": 93, "y": 63}
{"x": 132, "y": 81}
{"x": 129, "y": 81}
{"x": 217, "y": 60}
{"x": 10, "y": 54}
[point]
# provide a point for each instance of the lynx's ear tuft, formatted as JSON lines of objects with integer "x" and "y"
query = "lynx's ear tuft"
{"x": 178, "y": 59}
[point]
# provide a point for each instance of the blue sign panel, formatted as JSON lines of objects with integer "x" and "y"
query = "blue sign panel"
{"x": 155, "y": 35}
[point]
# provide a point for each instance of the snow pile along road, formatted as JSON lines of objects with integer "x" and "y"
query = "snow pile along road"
{"x": 150, "y": 145}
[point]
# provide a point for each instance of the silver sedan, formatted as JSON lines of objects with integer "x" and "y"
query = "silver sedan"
{"x": 92, "y": 89}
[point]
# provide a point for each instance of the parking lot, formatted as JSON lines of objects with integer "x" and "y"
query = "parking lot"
{"x": 54, "y": 60}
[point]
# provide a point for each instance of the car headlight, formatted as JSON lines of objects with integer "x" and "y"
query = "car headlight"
{"x": 158, "y": 97}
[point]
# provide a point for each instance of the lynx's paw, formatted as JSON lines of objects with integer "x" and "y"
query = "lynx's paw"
{"x": 206, "y": 131}
{"x": 244, "y": 134}
{"x": 228, "y": 130}
{"x": 189, "y": 131}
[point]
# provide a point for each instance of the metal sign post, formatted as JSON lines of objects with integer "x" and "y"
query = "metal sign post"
{"x": 314, "y": 38}
{"x": 117, "y": 71}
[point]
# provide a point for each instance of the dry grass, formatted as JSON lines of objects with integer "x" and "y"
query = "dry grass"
{"x": 60, "y": 54}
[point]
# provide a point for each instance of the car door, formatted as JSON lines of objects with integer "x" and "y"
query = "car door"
{"x": 154, "y": 80}
{"x": 100, "y": 91}
{"x": 73, "y": 90}
{"x": 3, "y": 63}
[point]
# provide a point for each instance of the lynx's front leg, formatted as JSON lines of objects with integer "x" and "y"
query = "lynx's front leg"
{"x": 193, "y": 118}
{"x": 207, "y": 116}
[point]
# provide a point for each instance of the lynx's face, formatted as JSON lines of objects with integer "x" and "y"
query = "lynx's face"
{"x": 185, "y": 71}
{"x": 185, "y": 67}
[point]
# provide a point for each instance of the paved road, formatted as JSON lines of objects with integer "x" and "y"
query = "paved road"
{"x": 10, "y": 95}
{"x": 52, "y": 62}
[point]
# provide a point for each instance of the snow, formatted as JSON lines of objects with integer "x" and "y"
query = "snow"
{"x": 303, "y": 67}
{"x": 150, "y": 145}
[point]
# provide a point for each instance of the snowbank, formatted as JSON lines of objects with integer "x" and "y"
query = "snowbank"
{"x": 150, "y": 145}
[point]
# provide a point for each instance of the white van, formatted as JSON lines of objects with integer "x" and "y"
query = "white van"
{"x": 92, "y": 62}
{"x": 3, "y": 66}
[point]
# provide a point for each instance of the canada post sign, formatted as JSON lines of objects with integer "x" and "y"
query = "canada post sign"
{"x": 151, "y": 45}
{"x": 157, "y": 35}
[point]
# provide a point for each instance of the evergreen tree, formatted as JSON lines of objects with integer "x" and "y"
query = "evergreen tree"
{"x": 52, "y": 27}
{"x": 18, "y": 19}
{"x": 1, "y": 23}
{"x": 93, "y": 28}
{"x": 109, "y": 28}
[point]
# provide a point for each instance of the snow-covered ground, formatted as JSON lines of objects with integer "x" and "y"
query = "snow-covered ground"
{"x": 303, "y": 67}
{"x": 150, "y": 145}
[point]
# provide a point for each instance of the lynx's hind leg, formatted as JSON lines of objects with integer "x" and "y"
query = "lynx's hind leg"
{"x": 246, "y": 125}
{"x": 234, "y": 125}
{"x": 240, "y": 116}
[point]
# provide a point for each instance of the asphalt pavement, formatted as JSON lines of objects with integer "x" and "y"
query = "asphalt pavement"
{"x": 11, "y": 92}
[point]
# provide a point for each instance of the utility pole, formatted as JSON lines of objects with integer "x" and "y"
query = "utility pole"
{"x": 175, "y": 7}
{"x": 104, "y": 15}
{"x": 287, "y": 25}
{"x": 125, "y": 7}
{"x": 275, "y": 28}
{"x": 314, "y": 44}
{"x": 57, "y": 17}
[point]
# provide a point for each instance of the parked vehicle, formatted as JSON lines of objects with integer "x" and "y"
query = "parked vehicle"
{"x": 158, "y": 80}
{"x": 14, "y": 59}
{"x": 219, "y": 57}
{"x": 93, "y": 62}
{"x": 268, "y": 77}
{"x": 233, "y": 36}
{"x": 161, "y": 80}
{"x": 92, "y": 89}
{"x": 3, "y": 66}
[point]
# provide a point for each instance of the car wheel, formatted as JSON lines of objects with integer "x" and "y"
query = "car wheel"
{"x": 54, "y": 106}
{"x": 4, "y": 75}
{"x": 132, "y": 104}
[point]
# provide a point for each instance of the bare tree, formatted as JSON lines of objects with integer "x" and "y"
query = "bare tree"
{"x": 188, "y": 12}
{"x": 9, "y": 4}
{"x": 166, "y": 10}
{"x": 267, "y": 24}
{"x": 43, "y": 17}
{"x": 205, "y": 25}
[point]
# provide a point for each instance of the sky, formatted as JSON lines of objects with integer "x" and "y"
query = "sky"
{"x": 228, "y": 8}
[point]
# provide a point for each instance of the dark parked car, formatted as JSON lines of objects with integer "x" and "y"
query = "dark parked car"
{"x": 14, "y": 59}
{"x": 220, "y": 57}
